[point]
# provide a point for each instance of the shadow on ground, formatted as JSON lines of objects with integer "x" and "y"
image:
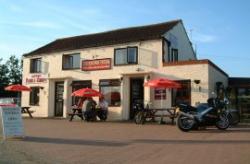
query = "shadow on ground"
{"x": 236, "y": 129}
{"x": 75, "y": 141}
{"x": 126, "y": 143}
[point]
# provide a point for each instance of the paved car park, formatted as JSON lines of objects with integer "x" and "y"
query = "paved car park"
{"x": 61, "y": 141}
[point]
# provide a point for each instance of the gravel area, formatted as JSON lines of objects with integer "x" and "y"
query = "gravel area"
{"x": 60, "y": 141}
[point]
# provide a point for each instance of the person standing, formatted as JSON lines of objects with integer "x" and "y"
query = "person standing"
{"x": 89, "y": 109}
{"x": 103, "y": 104}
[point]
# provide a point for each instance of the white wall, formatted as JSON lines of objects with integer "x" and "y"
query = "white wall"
{"x": 149, "y": 56}
{"x": 216, "y": 76}
{"x": 179, "y": 39}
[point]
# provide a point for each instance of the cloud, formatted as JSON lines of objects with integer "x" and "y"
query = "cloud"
{"x": 35, "y": 24}
{"x": 204, "y": 38}
{"x": 41, "y": 24}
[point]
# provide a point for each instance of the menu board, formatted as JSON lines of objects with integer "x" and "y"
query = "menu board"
{"x": 11, "y": 122}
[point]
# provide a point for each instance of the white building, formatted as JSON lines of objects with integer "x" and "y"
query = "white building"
{"x": 117, "y": 63}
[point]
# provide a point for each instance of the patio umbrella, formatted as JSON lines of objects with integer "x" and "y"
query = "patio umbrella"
{"x": 17, "y": 88}
{"x": 86, "y": 92}
{"x": 162, "y": 83}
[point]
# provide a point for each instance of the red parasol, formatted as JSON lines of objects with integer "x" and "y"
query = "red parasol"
{"x": 162, "y": 83}
{"x": 17, "y": 88}
{"x": 86, "y": 92}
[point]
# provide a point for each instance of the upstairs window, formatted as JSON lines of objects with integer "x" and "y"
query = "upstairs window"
{"x": 34, "y": 96}
{"x": 125, "y": 56}
{"x": 174, "y": 55}
{"x": 71, "y": 61}
{"x": 36, "y": 65}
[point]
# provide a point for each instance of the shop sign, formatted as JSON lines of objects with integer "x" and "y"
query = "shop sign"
{"x": 97, "y": 64}
{"x": 160, "y": 94}
{"x": 11, "y": 122}
{"x": 36, "y": 78}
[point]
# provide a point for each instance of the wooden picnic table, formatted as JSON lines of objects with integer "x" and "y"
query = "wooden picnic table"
{"x": 26, "y": 109}
{"x": 75, "y": 112}
{"x": 152, "y": 113}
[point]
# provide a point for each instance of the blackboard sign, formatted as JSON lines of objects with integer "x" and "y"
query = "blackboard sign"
{"x": 11, "y": 122}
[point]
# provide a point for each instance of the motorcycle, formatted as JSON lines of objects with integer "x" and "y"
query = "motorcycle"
{"x": 209, "y": 114}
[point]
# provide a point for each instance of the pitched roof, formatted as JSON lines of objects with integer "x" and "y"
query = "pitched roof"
{"x": 118, "y": 36}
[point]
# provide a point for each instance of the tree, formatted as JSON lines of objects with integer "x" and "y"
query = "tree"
{"x": 15, "y": 70}
{"x": 4, "y": 79}
{"x": 10, "y": 73}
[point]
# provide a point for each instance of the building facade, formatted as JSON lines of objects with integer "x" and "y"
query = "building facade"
{"x": 117, "y": 63}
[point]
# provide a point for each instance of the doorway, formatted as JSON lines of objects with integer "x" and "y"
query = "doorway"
{"x": 59, "y": 89}
{"x": 136, "y": 94}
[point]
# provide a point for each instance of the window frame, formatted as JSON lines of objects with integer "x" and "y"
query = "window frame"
{"x": 174, "y": 55}
{"x": 64, "y": 55}
{"x": 32, "y": 70}
{"x": 109, "y": 80}
{"x": 32, "y": 103}
{"x": 127, "y": 50}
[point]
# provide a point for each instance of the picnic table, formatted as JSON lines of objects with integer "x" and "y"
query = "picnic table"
{"x": 76, "y": 111}
{"x": 151, "y": 113}
{"x": 26, "y": 109}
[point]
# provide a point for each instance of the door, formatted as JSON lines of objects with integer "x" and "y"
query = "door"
{"x": 59, "y": 88}
{"x": 136, "y": 94}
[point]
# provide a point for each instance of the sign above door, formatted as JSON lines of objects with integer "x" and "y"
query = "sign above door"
{"x": 97, "y": 64}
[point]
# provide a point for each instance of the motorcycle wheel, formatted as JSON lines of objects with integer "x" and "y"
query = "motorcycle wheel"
{"x": 139, "y": 118}
{"x": 223, "y": 122}
{"x": 184, "y": 123}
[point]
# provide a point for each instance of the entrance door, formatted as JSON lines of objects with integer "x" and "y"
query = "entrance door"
{"x": 59, "y": 88}
{"x": 136, "y": 93}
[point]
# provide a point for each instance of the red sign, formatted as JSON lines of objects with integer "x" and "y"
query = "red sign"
{"x": 36, "y": 78}
{"x": 98, "y": 64}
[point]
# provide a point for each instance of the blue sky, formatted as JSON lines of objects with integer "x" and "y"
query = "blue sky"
{"x": 218, "y": 29}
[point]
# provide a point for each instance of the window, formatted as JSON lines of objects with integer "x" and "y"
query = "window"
{"x": 35, "y": 65}
{"x": 182, "y": 95}
{"x": 174, "y": 55}
{"x": 71, "y": 61}
{"x": 34, "y": 96}
{"x": 165, "y": 51}
{"x": 111, "y": 89}
{"x": 124, "y": 56}
{"x": 169, "y": 54}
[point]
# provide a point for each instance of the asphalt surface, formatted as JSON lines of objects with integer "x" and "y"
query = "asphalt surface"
{"x": 61, "y": 141}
